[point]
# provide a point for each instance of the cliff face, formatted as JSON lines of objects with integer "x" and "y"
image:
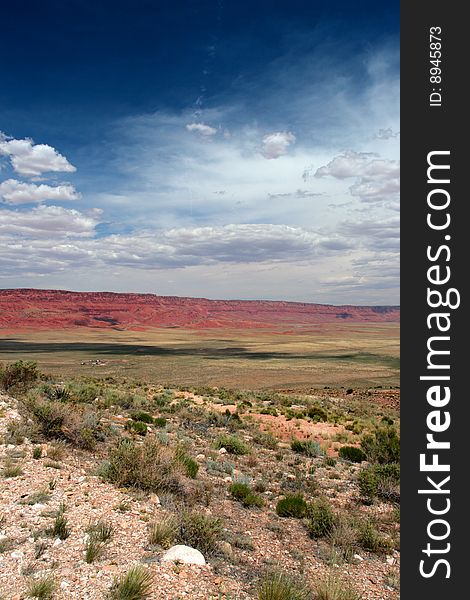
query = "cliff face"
{"x": 55, "y": 309}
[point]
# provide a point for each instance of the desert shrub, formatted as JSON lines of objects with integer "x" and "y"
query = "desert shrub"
{"x": 329, "y": 461}
{"x": 233, "y": 444}
{"x": 11, "y": 469}
{"x": 20, "y": 375}
{"x": 54, "y": 420}
{"x": 57, "y": 450}
{"x": 265, "y": 439}
{"x": 37, "y": 452}
{"x": 164, "y": 532}
{"x": 149, "y": 467}
{"x": 137, "y": 427}
{"x": 320, "y": 518}
{"x": 342, "y": 539}
{"x": 308, "y": 447}
{"x": 352, "y": 454}
{"x": 160, "y": 422}
{"x": 190, "y": 466}
{"x": 83, "y": 392}
{"x": 334, "y": 588}
{"x": 58, "y": 393}
{"x": 43, "y": 588}
{"x": 101, "y": 530}
{"x": 141, "y": 416}
{"x": 225, "y": 467}
{"x": 16, "y": 432}
{"x": 134, "y": 585}
{"x": 382, "y": 446}
{"x": 371, "y": 539}
{"x": 60, "y": 528}
{"x": 281, "y": 586}
{"x": 199, "y": 531}
{"x": 380, "y": 481}
{"x": 293, "y": 505}
{"x": 40, "y": 497}
{"x": 244, "y": 494}
{"x": 93, "y": 549}
{"x": 316, "y": 413}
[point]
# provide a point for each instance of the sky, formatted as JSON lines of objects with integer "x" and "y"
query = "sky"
{"x": 214, "y": 148}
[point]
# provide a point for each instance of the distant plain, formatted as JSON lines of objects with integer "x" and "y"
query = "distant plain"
{"x": 336, "y": 355}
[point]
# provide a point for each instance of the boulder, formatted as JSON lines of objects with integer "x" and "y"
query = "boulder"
{"x": 184, "y": 554}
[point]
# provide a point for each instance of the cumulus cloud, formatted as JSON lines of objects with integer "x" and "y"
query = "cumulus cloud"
{"x": 377, "y": 179}
{"x": 45, "y": 222}
{"x": 277, "y": 144}
{"x": 69, "y": 234}
{"x": 30, "y": 159}
{"x": 17, "y": 192}
{"x": 205, "y": 130}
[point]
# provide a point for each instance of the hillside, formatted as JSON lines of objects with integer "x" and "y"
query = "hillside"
{"x": 56, "y": 309}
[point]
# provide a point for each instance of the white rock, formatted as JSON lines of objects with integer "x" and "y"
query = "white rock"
{"x": 184, "y": 554}
{"x": 17, "y": 554}
{"x": 38, "y": 506}
{"x": 228, "y": 479}
{"x": 64, "y": 585}
{"x": 57, "y": 542}
{"x": 200, "y": 457}
{"x": 358, "y": 557}
{"x": 223, "y": 451}
{"x": 390, "y": 560}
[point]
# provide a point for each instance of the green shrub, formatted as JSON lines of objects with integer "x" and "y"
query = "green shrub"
{"x": 381, "y": 481}
{"x": 233, "y": 444}
{"x": 316, "y": 413}
{"x": 352, "y": 454}
{"x": 137, "y": 427}
{"x": 308, "y": 447}
{"x": 199, "y": 531}
{"x": 60, "y": 527}
{"x": 293, "y": 505}
{"x": 320, "y": 518}
{"x": 383, "y": 446}
{"x": 371, "y": 539}
{"x": 37, "y": 452}
{"x": 141, "y": 416}
{"x": 43, "y": 588}
{"x": 134, "y": 585}
{"x": 280, "y": 586}
{"x": 329, "y": 461}
{"x": 19, "y": 374}
{"x": 244, "y": 494}
{"x": 160, "y": 422}
{"x": 190, "y": 465}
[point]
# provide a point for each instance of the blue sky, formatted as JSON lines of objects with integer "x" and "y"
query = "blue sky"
{"x": 216, "y": 149}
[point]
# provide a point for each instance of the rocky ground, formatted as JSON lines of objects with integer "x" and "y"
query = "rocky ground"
{"x": 37, "y": 485}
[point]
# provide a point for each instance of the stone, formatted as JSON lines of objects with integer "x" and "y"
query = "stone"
{"x": 358, "y": 557}
{"x": 184, "y": 554}
{"x": 17, "y": 554}
{"x": 223, "y": 451}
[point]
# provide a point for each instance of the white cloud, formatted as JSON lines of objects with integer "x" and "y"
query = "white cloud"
{"x": 205, "y": 130}
{"x": 17, "y": 192}
{"x": 31, "y": 159}
{"x": 386, "y": 134}
{"x": 45, "y": 222}
{"x": 377, "y": 179}
{"x": 277, "y": 144}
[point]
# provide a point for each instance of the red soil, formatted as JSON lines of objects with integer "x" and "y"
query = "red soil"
{"x": 56, "y": 309}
